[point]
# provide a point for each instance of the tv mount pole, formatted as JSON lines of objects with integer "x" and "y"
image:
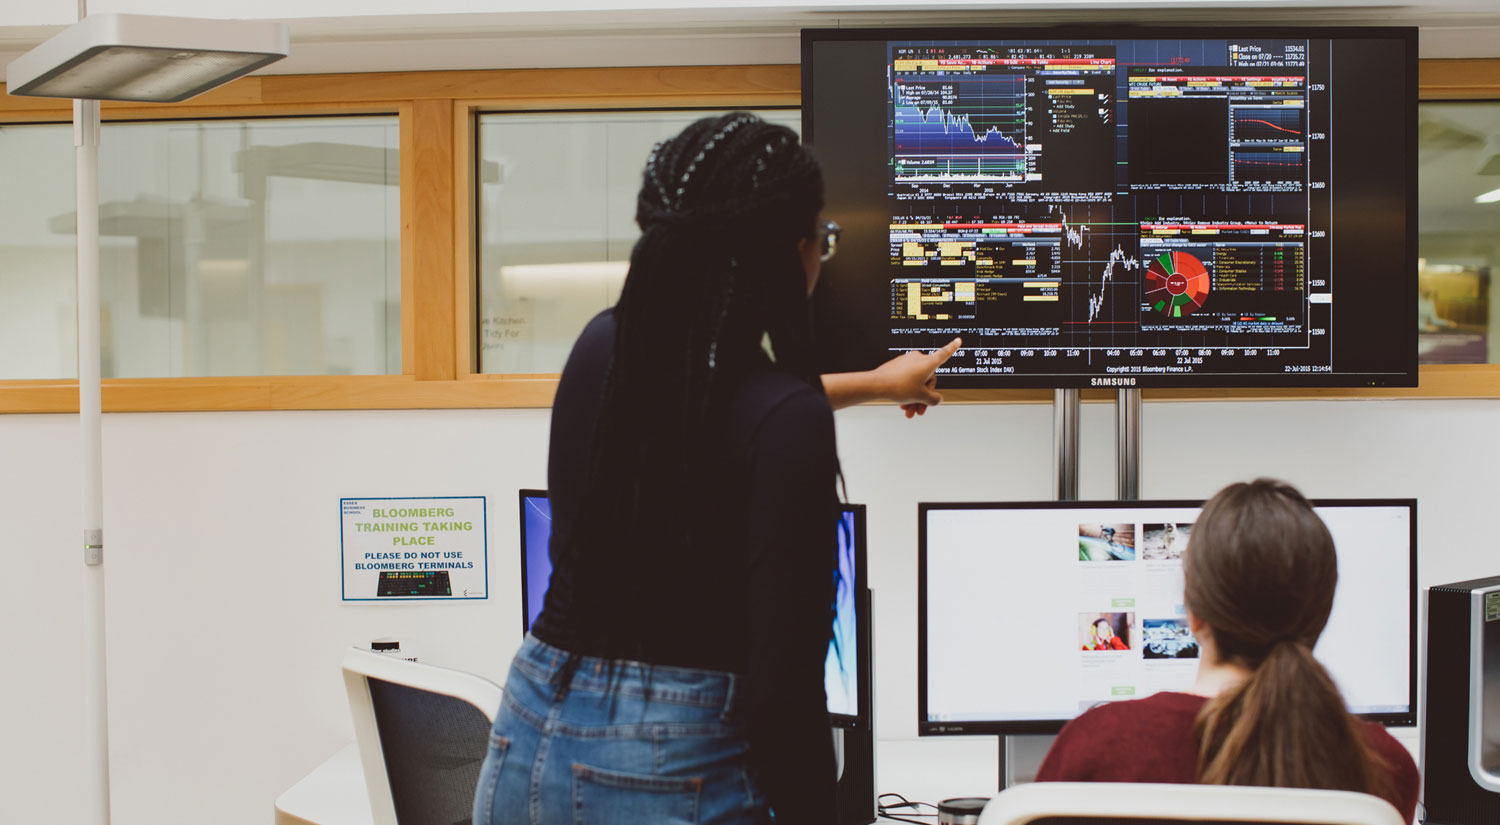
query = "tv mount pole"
{"x": 1065, "y": 412}
{"x": 1128, "y": 444}
{"x": 1066, "y": 408}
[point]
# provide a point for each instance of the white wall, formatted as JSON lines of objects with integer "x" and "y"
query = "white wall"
{"x": 225, "y": 627}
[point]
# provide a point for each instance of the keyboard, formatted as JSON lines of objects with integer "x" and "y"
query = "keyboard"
{"x": 426, "y": 583}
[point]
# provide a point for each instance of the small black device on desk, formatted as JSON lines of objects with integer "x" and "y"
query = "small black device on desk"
{"x": 963, "y": 810}
{"x": 414, "y": 583}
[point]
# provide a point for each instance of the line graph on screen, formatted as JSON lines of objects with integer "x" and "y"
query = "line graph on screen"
{"x": 952, "y": 129}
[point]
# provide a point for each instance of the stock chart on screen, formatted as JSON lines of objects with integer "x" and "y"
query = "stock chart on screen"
{"x": 1120, "y": 212}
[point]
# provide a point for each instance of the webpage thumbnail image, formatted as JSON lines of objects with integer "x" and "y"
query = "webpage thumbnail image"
{"x": 1106, "y": 542}
{"x": 1167, "y": 639}
{"x": 1105, "y": 631}
{"x": 1164, "y": 542}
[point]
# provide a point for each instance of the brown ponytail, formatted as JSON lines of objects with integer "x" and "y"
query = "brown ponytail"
{"x": 1260, "y": 572}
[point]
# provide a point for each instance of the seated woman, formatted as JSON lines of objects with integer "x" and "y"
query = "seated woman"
{"x": 1260, "y": 573}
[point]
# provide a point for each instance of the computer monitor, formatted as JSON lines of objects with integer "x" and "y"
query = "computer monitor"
{"x": 1120, "y": 206}
{"x": 1031, "y": 613}
{"x": 847, "y": 671}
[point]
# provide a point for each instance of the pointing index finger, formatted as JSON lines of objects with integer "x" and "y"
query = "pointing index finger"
{"x": 941, "y": 355}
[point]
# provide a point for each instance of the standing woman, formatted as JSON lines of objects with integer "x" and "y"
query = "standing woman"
{"x": 675, "y": 674}
{"x": 1260, "y": 573}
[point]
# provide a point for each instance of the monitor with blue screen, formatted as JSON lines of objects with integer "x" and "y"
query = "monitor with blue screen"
{"x": 846, "y": 652}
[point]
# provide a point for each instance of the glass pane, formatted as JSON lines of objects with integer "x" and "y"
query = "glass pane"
{"x": 557, "y": 223}
{"x": 257, "y": 247}
{"x": 38, "y": 307}
{"x": 1458, "y": 217}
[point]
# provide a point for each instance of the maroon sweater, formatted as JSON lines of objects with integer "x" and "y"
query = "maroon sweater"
{"x": 1151, "y": 740}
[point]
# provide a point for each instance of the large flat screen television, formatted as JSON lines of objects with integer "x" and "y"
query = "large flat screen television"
{"x": 847, "y": 671}
{"x": 1010, "y": 596}
{"x": 1122, "y": 207}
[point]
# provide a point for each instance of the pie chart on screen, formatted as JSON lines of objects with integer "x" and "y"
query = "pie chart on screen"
{"x": 1176, "y": 284}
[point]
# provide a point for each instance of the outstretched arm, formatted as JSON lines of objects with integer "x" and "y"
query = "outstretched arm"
{"x": 909, "y": 380}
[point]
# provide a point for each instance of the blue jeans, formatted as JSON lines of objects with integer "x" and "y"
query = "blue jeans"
{"x": 653, "y": 744}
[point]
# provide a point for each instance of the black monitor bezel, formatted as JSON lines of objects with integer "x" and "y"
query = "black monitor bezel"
{"x": 864, "y": 621}
{"x": 1051, "y": 726}
{"x": 1099, "y": 31}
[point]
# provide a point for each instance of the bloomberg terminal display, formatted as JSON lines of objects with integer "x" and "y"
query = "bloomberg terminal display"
{"x": 1197, "y": 207}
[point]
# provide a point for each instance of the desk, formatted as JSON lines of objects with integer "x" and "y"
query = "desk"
{"x": 333, "y": 794}
{"x": 928, "y": 770}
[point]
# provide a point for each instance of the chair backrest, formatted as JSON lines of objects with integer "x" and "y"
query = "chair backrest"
{"x": 422, "y": 733}
{"x": 1117, "y": 803}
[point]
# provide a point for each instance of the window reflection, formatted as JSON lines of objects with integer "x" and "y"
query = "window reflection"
{"x": 227, "y": 247}
{"x": 1458, "y": 216}
{"x": 557, "y": 223}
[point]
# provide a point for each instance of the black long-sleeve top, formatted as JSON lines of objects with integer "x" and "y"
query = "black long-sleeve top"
{"x": 759, "y": 599}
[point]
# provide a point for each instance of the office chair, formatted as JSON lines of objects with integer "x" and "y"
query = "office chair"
{"x": 423, "y": 732}
{"x": 1119, "y": 803}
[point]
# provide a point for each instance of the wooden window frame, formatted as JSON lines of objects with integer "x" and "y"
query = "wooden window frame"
{"x": 438, "y": 112}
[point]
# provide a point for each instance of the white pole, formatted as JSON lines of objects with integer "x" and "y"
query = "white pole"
{"x": 96, "y": 700}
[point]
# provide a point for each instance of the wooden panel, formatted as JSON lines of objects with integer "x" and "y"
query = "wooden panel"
{"x": 139, "y": 395}
{"x": 393, "y": 392}
{"x": 1459, "y": 79}
{"x": 38, "y": 396}
{"x": 686, "y": 85}
{"x": 403, "y": 392}
{"x": 271, "y": 95}
{"x": 553, "y": 85}
{"x": 429, "y": 190}
{"x": 568, "y": 88}
{"x": 149, "y": 396}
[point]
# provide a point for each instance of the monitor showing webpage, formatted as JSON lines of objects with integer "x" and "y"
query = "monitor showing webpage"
{"x": 841, "y": 667}
{"x": 1032, "y": 613}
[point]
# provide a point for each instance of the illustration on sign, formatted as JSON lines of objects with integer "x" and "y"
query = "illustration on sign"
{"x": 401, "y": 549}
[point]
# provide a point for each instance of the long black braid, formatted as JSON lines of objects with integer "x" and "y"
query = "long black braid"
{"x": 716, "y": 271}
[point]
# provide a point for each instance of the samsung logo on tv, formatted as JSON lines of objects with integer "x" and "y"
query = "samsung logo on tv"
{"x": 1114, "y": 382}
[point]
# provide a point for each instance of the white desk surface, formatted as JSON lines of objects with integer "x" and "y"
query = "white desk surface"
{"x": 333, "y": 794}
{"x": 922, "y": 770}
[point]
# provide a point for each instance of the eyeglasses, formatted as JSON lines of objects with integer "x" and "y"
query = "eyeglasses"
{"x": 829, "y": 236}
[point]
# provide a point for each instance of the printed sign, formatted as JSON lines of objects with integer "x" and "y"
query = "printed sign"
{"x": 1491, "y": 606}
{"x": 414, "y": 549}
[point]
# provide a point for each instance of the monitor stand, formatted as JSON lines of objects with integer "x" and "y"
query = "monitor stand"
{"x": 854, "y": 747}
{"x": 1021, "y": 756}
{"x": 856, "y": 786}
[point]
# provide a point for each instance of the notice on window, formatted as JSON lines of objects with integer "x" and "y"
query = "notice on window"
{"x": 414, "y": 549}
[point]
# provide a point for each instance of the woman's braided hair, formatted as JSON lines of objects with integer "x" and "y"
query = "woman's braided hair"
{"x": 716, "y": 272}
